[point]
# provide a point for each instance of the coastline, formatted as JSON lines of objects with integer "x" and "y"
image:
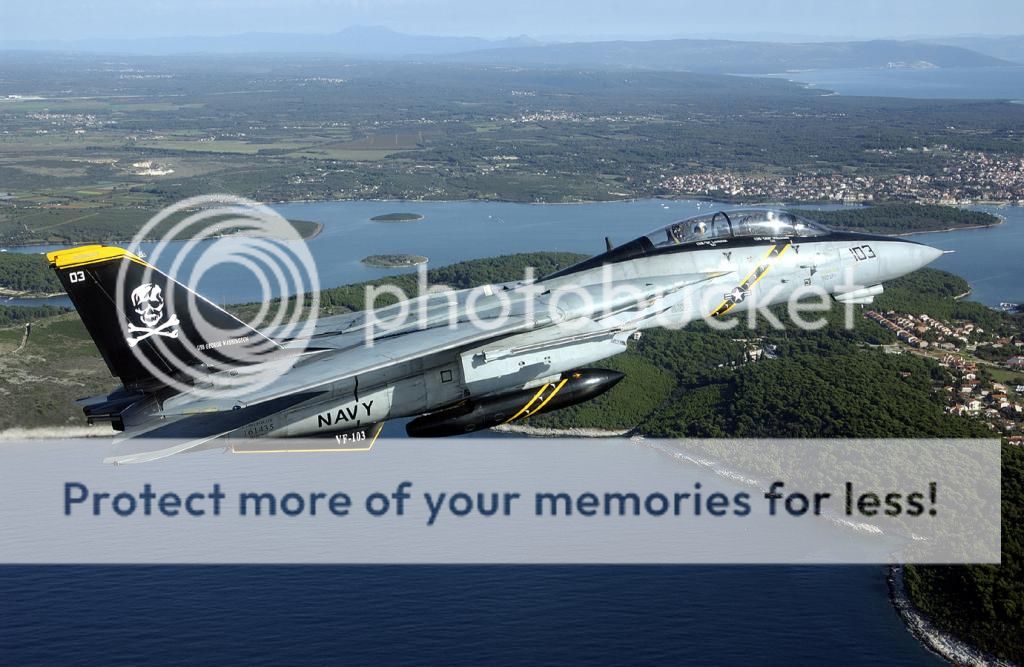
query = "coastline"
{"x": 637, "y": 438}
{"x": 943, "y": 644}
{"x": 1001, "y": 221}
{"x": 695, "y": 197}
{"x": 539, "y": 432}
{"x": 15, "y": 294}
{"x": 398, "y": 217}
{"x": 410, "y": 261}
{"x": 937, "y": 641}
{"x": 316, "y": 230}
{"x": 318, "y": 227}
{"x": 56, "y": 432}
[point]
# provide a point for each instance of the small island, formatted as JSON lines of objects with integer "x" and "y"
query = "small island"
{"x": 397, "y": 217}
{"x": 394, "y": 261}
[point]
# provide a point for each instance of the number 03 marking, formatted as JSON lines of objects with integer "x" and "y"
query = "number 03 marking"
{"x": 77, "y": 276}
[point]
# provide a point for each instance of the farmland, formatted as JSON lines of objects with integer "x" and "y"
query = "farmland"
{"x": 91, "y": 146}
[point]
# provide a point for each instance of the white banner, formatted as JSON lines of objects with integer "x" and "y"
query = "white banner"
{"x": 503, "y": 500}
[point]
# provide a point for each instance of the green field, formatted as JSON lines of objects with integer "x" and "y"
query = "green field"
{"x": 39, "y": 382}
{"x": 1005, "y": 376}
{"x": 25, "y": 226}
{"x": 271, "y": 131}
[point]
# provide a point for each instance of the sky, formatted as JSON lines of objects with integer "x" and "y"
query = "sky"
{"x": 544, "y": 19}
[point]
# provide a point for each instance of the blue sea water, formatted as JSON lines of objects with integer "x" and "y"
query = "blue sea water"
{"x": 1004, "y": 83}
{"x": 989, "y": 258}
{"x": 451, "y": 615}
{"x": 455, "y": 231}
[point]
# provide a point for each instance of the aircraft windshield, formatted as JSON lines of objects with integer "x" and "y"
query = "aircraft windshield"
{"x": 736, "y": 224}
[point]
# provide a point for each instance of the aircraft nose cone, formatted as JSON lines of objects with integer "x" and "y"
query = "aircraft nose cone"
{"x": 926, "y": 254}
{"x": 913, "y": 256}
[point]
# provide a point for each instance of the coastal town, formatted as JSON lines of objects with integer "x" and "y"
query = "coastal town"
{"x": 965, "y": 177}
{"x": 983, "y": 373}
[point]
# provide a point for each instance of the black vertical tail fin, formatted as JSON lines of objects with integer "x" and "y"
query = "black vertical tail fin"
{"x": 136, "y": 314}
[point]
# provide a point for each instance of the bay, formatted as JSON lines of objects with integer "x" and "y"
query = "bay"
{"x": 1003, "y": 83}
{"x": 456, "y": 231}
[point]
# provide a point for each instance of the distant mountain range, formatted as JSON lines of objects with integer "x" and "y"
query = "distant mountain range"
{"x": 1008, "y": 48}
{"x": 358, "y": 41}
{"x": 723, "y": 56}
{"x": 698, "y": 55}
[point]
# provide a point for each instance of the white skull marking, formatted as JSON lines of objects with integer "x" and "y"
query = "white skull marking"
{"x": 148, "y": 300}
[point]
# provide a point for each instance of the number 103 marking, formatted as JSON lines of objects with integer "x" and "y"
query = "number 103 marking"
{"x": 860, "y": 253}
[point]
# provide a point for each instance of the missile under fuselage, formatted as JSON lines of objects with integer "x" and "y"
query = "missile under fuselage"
{"x": 570, "y": 388}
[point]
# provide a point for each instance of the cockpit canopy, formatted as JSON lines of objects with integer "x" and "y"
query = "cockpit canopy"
{"x": 745, "y": 223}
{"x": 711, "y": 228}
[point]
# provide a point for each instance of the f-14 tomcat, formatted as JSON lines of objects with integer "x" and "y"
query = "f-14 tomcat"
{"x": 469, "y": 359}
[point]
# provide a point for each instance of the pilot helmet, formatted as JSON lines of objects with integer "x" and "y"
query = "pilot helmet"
{"x": 700, "y": 227}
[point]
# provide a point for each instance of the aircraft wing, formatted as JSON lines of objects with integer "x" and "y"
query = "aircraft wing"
{"x": 500, "y": 312}
{"x": 451, "y": 308}
{"x": 190, "y": 421}
{"x": 316, "y": 370}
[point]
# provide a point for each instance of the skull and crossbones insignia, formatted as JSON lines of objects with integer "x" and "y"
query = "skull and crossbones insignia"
{"x": 148, "y": 304}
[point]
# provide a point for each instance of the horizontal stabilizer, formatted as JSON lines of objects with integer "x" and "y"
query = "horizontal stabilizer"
{"x": 181, "y": 434}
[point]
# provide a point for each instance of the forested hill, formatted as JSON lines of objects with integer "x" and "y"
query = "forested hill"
{"x": 823, "y": 383}
{"x": 699, "y": 382}
{"x": 902, "y": 218}
{"x": 983, "y": 603}
{"x": 27, "y": 273}
{"x": 18, "y": 315}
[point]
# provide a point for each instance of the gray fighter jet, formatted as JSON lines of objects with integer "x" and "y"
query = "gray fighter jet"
{"x": 462, "y": 360}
